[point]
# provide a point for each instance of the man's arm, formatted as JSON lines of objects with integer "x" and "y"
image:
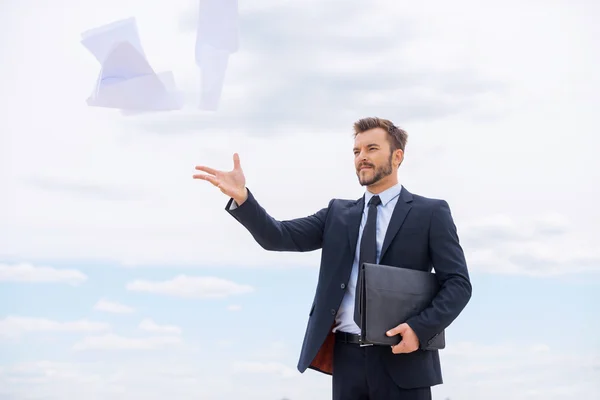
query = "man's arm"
{"x": 300, "y": 234}
{"x": 451, "y": 270}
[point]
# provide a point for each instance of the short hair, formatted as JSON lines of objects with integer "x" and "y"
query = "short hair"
{"x": 396, "y": 136}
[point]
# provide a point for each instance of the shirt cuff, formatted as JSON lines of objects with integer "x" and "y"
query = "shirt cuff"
{"x": 233, "y": 205}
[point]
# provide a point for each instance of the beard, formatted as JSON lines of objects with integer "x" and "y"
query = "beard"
{"x": 375, "y": 174}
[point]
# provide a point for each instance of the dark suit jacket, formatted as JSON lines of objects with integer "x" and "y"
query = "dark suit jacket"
{"x": 421, "y": 235}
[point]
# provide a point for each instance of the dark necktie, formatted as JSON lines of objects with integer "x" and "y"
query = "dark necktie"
{"x": 368, "y": 242}
{"x": 368, "y": 248}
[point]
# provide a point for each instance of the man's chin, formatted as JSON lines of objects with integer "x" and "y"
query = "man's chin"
{"x": 366, "y": 179}
{"x": 365, "y": 182}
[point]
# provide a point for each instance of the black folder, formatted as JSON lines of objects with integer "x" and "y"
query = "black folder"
{"x": 387, "y": 296}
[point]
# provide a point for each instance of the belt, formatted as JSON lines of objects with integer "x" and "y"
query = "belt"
{"x": 345, "y": 337}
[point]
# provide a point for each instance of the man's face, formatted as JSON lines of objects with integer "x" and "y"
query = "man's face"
{"x": 372, "y": 157}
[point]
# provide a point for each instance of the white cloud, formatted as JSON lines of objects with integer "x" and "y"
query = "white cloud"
{"x": 503, "y": 227}
{"x": 519, "y": 371}
{"x": 472, "y": 372}
{"x": 191, "y": 287}
{"x": 277, "y": 350}
{"x": 116, "y": 342}
{"x": 15, "y": 326}
{"x": 541, "y": 347}
{"x": 467, "y": 350}
{"x": 234, "y": 307}
{"x": 165, "y": 218}
{"x": 120, "y": 380}
{"x": 225, "y": 343}
{"x": 151, "y": 326}
{"x": 113, "y": 307}
{"x": 40, "y": 274}
{"x": 41, "y": 372}
{"x": 534, "y": 245}
{"x": 269, "y": 368}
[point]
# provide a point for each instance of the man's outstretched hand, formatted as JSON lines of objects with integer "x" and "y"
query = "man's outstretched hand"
{"x": 409, "y": 342}
{"x": 232, "y": 183}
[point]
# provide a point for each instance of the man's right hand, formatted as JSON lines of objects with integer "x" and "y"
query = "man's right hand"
{"x": 232, "y": 183}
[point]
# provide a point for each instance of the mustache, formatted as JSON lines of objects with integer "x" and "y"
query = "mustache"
{"x": 365, "y": 165}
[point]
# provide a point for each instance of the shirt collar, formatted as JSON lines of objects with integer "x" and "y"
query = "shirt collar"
{"x": 386, "y": 196}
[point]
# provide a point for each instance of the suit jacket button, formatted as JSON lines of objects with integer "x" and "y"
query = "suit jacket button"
{"x": 343, "y": 286}
{"x": 333, "y": 312}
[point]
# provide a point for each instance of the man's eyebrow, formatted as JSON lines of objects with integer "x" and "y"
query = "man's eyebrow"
{"x": 369, "y": 145}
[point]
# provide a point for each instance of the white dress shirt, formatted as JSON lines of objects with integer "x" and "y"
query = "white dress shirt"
{"x": 344, "y": 320}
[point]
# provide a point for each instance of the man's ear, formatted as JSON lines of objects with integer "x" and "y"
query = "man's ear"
{"x": 399, "y": 155}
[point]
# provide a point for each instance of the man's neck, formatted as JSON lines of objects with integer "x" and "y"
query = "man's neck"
{"x": 381, "y": 186}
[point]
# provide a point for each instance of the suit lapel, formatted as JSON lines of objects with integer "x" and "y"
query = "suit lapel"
{"x": 354, "y": 216}
{"x": 399, "y": 214}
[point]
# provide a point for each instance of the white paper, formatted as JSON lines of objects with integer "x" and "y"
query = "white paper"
{"x": 212, "y": 77}
{"x": 126, "y": 80}
{"x": 100, "y": 41}
{"x": 172, "y": 101}
{"x": 217, "y": 37}
{"x": 218, "y": 24}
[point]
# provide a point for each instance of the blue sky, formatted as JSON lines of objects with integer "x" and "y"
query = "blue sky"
{"x": 122, "y": 278}
{"x": 506, "y": 312}
{"x": 528, "y": 303}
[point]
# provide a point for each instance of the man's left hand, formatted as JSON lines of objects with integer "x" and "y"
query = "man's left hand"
{"x": 409, "y": 342}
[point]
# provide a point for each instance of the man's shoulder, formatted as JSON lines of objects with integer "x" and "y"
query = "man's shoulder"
{"x": 430, "y": 201}
{"x": 342, "y": 203}
{"x": 424, "y": 201}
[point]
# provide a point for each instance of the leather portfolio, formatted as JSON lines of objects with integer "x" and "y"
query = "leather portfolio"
{"x": 387, "y": 296}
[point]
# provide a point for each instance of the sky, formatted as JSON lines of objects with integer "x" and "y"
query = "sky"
{"x": 121, "y": 277}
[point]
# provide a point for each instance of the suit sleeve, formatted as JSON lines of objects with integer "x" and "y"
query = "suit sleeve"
{"x": 300, "y": 234}
{"x": 451, "y": 270}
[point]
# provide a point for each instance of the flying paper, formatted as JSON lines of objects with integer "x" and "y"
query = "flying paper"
{"x": 217, "y": 37}
{"x": 100, "y": 41}
{"x": 126, "y": 80}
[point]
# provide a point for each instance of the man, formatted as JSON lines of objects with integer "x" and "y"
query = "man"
{"x": 411, "y": 232}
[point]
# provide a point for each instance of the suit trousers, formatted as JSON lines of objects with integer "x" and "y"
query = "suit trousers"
{"x": 360, "y": 374}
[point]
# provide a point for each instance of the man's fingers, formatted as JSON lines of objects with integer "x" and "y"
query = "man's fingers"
{"x": 399, "y": 348}
{"x": 209, "y": 178}
{"x": 206, "y": 169}
{"x": 236, "y": 161}
{"x": 397, "y": 330}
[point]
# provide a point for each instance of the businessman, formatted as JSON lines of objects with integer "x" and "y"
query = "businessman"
{"x": 411, "y": 231}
